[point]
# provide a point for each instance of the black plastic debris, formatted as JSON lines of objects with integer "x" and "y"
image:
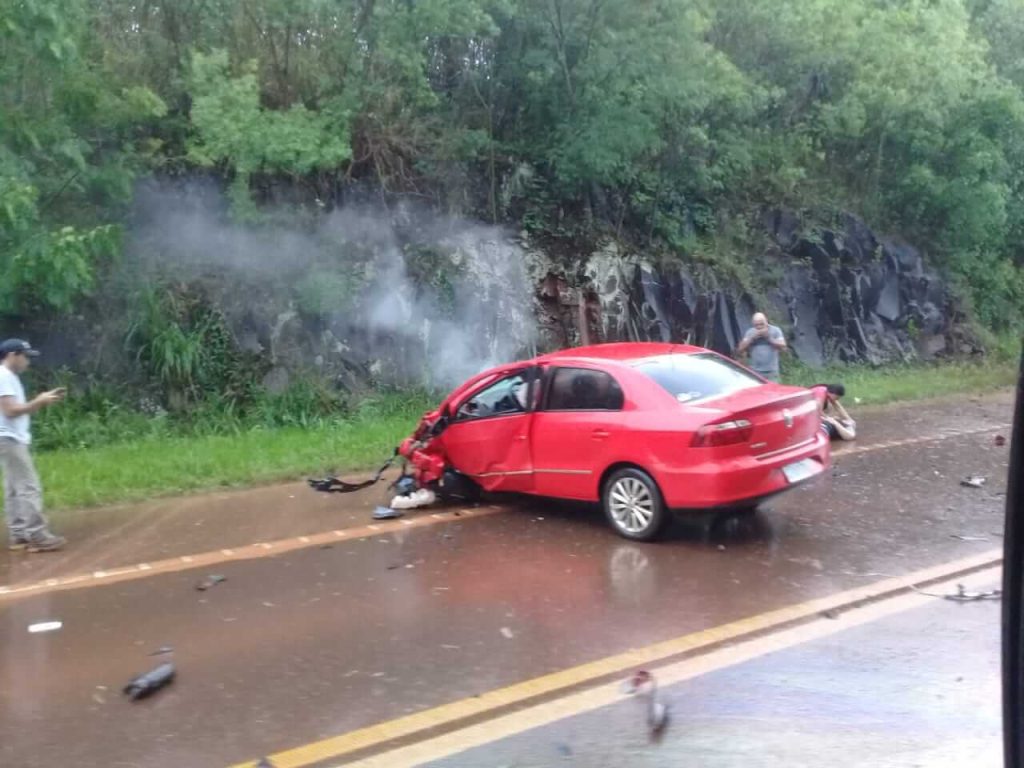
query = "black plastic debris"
{"x": 331, "y": 484}
{"x": 210, "y": 581}
{"x": 1000, "y": 441}
{"x": 151, "y": 682}
{"x": 974, "y": 481}
{"x": 386, "y": 513}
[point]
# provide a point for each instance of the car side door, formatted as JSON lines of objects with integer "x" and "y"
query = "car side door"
{"x": 488, "y": 436}
{"x": 576, "y": 431}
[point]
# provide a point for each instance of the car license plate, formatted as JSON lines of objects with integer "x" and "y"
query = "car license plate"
{"x": 800, "y": 470}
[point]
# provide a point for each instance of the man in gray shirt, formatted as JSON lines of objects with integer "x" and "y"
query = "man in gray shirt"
{"x": 763, "y": 342}
{"x": 23, "y": 495}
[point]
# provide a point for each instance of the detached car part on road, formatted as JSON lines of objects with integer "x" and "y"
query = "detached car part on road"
{"x": 642, "y": 428}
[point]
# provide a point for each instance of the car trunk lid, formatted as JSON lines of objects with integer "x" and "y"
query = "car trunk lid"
{"x": 762, "y": 421}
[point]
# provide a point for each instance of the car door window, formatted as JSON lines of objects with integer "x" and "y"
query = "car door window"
{"x": 584, "y": 389}
{"x": 504, "y": 397}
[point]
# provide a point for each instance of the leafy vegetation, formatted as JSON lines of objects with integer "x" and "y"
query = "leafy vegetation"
{"x": 670, "y": 123}
{"x": 163, "y": 456}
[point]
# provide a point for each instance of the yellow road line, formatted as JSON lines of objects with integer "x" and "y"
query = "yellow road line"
{"x": 271, "y": 548}
{"x": 451, "y": 714}
{"x": 599, "y": 696}
{"x": 247, "y": 552}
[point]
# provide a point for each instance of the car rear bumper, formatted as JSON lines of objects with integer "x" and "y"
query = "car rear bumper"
{"x": 745, "y": 481}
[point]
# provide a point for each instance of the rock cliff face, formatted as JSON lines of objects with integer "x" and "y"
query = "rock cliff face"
{"x": 399, "y": 298}
{"x": 846, "y": 295}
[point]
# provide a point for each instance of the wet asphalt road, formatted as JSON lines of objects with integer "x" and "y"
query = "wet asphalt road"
{"x": 916, "y": 690}
{"x": 317, "y": 642}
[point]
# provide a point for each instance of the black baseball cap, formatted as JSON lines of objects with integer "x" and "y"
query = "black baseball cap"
{"x": 17, "y": 345}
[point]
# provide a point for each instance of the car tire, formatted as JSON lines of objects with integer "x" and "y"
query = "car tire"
{"x": 633, "y": 504}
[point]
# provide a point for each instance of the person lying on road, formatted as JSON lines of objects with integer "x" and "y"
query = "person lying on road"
{"x": 835, "y": 421}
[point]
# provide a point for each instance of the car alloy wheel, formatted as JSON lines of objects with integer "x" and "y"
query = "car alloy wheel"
{"x": 633, "y": 504}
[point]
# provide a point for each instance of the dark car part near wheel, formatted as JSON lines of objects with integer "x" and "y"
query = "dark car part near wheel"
{"x": 456, "y": 486}
{"x": 633, "y": 504}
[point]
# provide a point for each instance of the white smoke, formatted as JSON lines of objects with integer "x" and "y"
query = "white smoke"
{"x": 359, "y": 258}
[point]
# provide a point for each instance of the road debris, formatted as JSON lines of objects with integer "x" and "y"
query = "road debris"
{"x": 331, "y": 484}
{"x": 45, "y": 626}
{"x": 422, "y": 498}
{"x": 967, "y": 538}
{"x": 644, "y": 684}
{"x": 386, "y": 513}
{"x": 162, "y": 650}
{"x": 507, "y": 633}
{"x": 831, "y": 613}
{"x": 1000, "y": 441}
{"x": 962, "y": 595}
{"x": 264, "y": 763}
{"x": 151, "y": 682}
{"x": 974, "y": 481}
{"x": 211, "y": 581}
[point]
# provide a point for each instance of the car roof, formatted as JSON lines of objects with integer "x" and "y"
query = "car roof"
{"x": 620, "y": 352}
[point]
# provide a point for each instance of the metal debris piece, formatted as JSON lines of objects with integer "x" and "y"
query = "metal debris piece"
{"x": 211, "y": 581}
{"x": 968, "y": 538}
{"x": 151, "y": 682}
{"x": 386, "y": 513}
{"x": 643, "y": 683}
{"x": 163, "y": 649}
{"x": 974, "y": 481}
{"x": 963, "y": 596}
{"x": 45, "y": 626}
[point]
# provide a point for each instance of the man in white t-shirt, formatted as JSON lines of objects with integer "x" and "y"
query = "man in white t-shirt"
{"x": 23, "y": 495}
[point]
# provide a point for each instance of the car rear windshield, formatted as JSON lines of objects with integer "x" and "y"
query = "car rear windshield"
{"x": 689, "y": 378}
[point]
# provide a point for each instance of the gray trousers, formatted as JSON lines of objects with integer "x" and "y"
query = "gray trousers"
{"x": 23, "y": 494}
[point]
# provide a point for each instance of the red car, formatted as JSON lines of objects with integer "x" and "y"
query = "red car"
{"x": 642, "y": 428}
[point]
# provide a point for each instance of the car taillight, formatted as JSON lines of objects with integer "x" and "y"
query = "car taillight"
{"x": 723, "y": 433}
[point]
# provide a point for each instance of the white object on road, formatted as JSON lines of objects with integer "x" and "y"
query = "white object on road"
{"x": 45, "y": 626}
{"x": 421, "y": 498}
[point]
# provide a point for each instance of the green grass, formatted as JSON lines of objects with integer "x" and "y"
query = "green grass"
{"x": 913, "y": 382}
{"x": 164, "y": 462}
{"x": 164, "y": 465}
